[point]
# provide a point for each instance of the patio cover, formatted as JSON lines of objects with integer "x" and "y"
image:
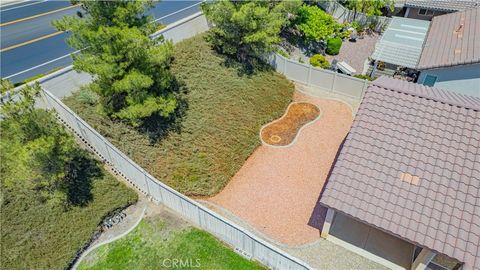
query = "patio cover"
{"x": 410, "y": 166}
{"x": 402, "y": 42}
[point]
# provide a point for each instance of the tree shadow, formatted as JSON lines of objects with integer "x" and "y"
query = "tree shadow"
{"x": 292, "y": 40}
{"x": 81, "y": 172}
{"x": 248, "y": 67}
{"x": 319, "y": 213}
{"x": 157, "y": 127}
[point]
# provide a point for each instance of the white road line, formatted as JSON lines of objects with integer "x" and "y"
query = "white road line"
{"x": 61, "y": 57}
{"x": 178, "y": 11}
{"x": 41, "y": 65}
{"x": 31, "y": 4}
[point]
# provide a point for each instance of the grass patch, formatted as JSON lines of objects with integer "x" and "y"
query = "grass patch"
{"x": 157, "y": 241}
{"x": 217, "y": 127}
{"x": 40, "y": 236}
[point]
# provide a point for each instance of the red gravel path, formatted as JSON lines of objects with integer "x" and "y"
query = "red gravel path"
{"x": 277, "y": 189}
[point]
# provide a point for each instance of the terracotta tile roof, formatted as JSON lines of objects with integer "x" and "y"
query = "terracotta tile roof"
{"x": 411, "y": 166}
{"x": 444, "y": 5}
{"x": 453, "y": 39}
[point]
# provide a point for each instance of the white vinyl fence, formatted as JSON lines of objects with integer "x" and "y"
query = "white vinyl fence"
{"x": 320, "y": 78}
{"x": 244, "y": 241}
{"x": 343, "y": 14}
{"x": 185, "y": 28}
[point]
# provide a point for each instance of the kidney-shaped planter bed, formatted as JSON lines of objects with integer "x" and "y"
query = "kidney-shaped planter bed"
{"x": 283, "y": 131}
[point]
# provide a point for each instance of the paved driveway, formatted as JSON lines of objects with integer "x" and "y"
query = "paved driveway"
{"x": 277, "y": 188}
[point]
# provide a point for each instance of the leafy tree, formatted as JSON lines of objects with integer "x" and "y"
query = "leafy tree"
{"x": 35, "y": 150}
{"x": 131, "y": 71}
{"x": 315, "y": 24}
{"x": 248, "y": 30}
{"x": 5, "y": 86}
{"x": 369, "y": 7}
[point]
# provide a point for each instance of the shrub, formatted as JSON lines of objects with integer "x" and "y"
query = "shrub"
{"x": 333, "y": 45}
{"x": 357, "y": 26}
{"x": 319, "y": 60}
{"x": 344, "y": 34}
{"x": 316, "y": 24}
{"x": 87, "y": 96}
{"x": 364, "y": 77}
{"x": 283, "y": 53}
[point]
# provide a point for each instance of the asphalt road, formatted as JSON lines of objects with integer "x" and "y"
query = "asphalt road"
{"x": 30, "y": 45}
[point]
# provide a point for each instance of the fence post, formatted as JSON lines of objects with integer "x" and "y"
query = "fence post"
{"x": 146, "y": 182}
{"x": 108, "y": 153}
{"x": 365, "y": 85}
{"x": 198, "y": 215}
{"x": 45, "y": 99}
{"x": 334, "y": 82}
{"x": 309, "y": 75}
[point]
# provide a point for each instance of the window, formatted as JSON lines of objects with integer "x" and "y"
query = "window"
{"x": 425, "y": 12}
{"x": 430, "y": 80}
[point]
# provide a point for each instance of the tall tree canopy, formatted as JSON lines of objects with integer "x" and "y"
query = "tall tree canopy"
{"x": 35, "y": 150}
{"x": 369, "y": 7}
{"x": 315, "y": 24}
{"x": 247, "y": 30}
{"x": 131, "y": 71}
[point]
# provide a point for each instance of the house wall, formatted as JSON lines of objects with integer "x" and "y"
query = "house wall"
{"x": 464, "y": 79}
{"x": 370, "y": 242}
{"x": 413, "y": 14}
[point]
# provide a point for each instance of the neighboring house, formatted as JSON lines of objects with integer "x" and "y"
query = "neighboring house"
{"x": 406, "y": 183}
{"x": 451, "y": 55}
{"x": 426, "y": 9}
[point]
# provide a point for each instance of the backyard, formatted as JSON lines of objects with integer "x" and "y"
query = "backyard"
{"x": 40, "y": 236}
{"x": 277, "y": 189}
{"x": 216, "y": 128}
{"x": 164, "y": 241}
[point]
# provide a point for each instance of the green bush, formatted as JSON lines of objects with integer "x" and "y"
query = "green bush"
{"x": 283, "y": 53}
{"x": 333, "y": 45}
{"x": 364, "y": 77}
{"x": 344, "y": 34}
{"x": 87, "y": 96}
{"x": 316, "y": 24}
{"x": 357, "y": 26}
{"x": 319, "y": 60}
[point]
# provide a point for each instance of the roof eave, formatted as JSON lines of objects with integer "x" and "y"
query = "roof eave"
{"x": 387, "y": 231}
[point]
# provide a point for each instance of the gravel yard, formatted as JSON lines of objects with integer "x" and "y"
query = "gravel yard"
{"x": 277, "y": 189}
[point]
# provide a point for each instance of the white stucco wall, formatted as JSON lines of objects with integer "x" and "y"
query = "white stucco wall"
{"x": 461, "y": 79}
